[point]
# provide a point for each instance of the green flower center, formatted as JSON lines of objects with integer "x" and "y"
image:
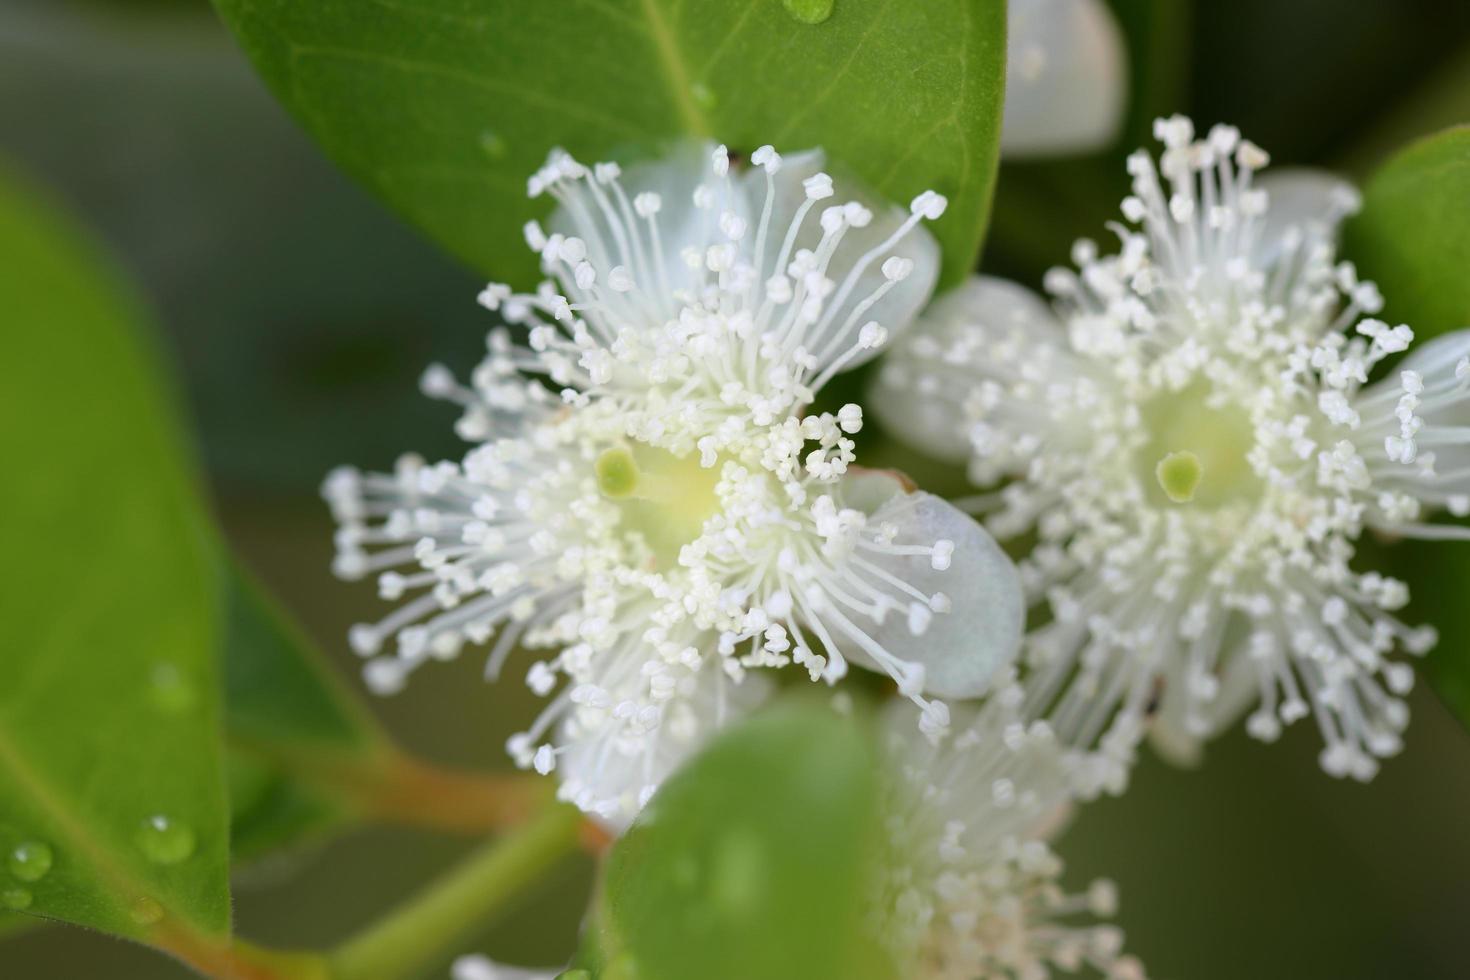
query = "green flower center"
{"x": 1196, "y": 455}
{"x": 662, "y": 497}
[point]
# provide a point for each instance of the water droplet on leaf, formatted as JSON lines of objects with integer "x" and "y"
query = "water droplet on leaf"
{"x": 15, "y": 899}
{"x": 704, "y": 96}
{"x": 30, "y": 860}
{"x": 493, "y": 144}
{"x": 165, "y": 841}
{"x": 170, "y": 690}
{"x": 737, "y": 878}
{"x": 808, "y": 11}
{"x": 145, "y": 911}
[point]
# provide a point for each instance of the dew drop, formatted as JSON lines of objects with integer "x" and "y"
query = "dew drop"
{"x": 15, "y": 899}
{"x": 703, "y": 95}
{"x": 808, "y": 11}
{"x": 685, "y": 873}
{"x": 493, "y": 144}
{"x": 30, "y": 860}
{"x": 738, "y": 877}
{"x": 165, "y": 841}
{"x": 170, "y": 690}
{"x": 145, "y": 911}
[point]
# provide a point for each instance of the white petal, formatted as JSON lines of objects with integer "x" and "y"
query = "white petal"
{"x": 1313, "y": 201}
{"x": 962, "y": 649}
{"x": 1065, "y": 77}
{"x": 930, "y": 416}
{"x": 476, "y": 967}
{"x": 613, "y": 769}
{"x": 673, "y": 176}
{"x": 899, "y": 308}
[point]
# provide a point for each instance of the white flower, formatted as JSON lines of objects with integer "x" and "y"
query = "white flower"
{"x": 1065, "y": 77}
{"x": 970, "y": 889}
{"x": 671, "y": 518}
{"x": 1194, "y": 440}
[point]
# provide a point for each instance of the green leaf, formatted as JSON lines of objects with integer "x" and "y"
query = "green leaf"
{"x": 1159, "y": 59}
{"x": 308, "y": 758}
{"x": 278, "y": 691}
{"x": 108, "y": 696}
{"x": 286, "y": 713}
{"x": 444, "y": 107}
{"x": 1437, "y": 572}
{"x": 271, "y": 810}
{"x": 753, "y": 861}
{"x": 1412, "y": 237}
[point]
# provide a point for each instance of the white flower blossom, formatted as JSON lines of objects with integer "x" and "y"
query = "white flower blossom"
{"x": 1066, "y": 85}
{"x": 970, "y": 888}
{"x": 669, "y": 517}
{"x": 1195, "y": 438}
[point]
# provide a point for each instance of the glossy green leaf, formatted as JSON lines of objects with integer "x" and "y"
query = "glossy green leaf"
{"x": 754, "y": 860}
{"x": 308, "y": 759}
{"x": 287, "y": 716}
{"x": 277, "y": 688}
{"x": 109, "y": 754}
{"x": 271, "y": 810}
{"x": 444, "y": 107}
{"x": 1412, "y": 236}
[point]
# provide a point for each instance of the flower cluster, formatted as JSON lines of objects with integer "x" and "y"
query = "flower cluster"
{"x": 1194, "y": 433}
{"x": 970, "y": 889}
{"x": 648, "y": 499}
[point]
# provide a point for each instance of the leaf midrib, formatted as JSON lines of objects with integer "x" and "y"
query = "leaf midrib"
{"x": 675, "y": 71}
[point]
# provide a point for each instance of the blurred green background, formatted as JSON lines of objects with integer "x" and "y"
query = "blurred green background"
{"x": 299, "y": 314}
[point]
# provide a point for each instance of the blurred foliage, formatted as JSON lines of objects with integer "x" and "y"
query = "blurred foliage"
{"x": 296, "y": 307}
{"x": 754, "y": 860}
{"x": 443, "y": 108}
{"x": 1413, "y": 234}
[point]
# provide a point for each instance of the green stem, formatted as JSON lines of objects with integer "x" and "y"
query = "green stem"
{"x": 410, "y": 937}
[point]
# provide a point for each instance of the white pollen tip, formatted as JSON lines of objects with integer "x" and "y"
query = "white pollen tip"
{"x": 943, "y": 552}
{"x": 872, "y": 336}
{"x": 350, "y": 565}
{"x": 364, "y": 640}
{"x": 818, "y": 186}
{"x": 647, "y": 204}
{"x": 384, "y": 676}
{"x": 929, "y": 205}
{"x": 896, "y": 268}
{"x": 437, "y": 381}
{"x": 767, "y": 158}
{"x": 920, "y": 616}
